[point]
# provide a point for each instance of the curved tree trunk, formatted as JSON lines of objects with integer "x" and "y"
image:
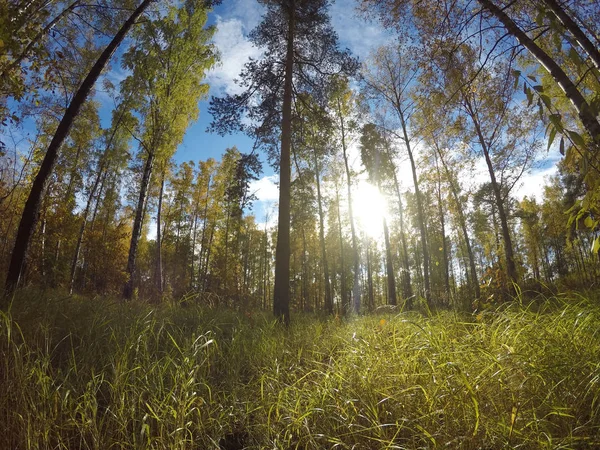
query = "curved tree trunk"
{"x": 32, "y": 206}
{"x": 584, "y": 111}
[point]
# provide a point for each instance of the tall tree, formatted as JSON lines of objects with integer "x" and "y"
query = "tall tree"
{"x": 168, "y": 64}
{"x": 300, "y": 55}
{"x": 32, "y": 206}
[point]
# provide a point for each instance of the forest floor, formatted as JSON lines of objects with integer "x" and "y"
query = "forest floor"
{"x": 97, "y": 374}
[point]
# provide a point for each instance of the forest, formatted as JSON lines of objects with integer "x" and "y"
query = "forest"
{"x": 426, "y": 275}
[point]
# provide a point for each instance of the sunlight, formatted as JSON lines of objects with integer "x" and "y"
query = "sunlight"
{"x": 369, "y": 207}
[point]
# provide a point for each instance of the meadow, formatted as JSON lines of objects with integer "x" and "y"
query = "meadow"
{"x": 95, "y": 373}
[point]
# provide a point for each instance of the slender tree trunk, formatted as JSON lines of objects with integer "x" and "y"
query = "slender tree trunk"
{"x": 328, "y": 297}
{"x": 463, "y": 224}
{"x": 158, "y": 280}
{"x": 32, "y": 206}
{"x": 511, "y": 269}
{"x": 391, "y": 281}
{"x": 577, "y": 32}
{"x": 356, "y": 287}
{"x": 420, "y": 214}
{"x": 584, "y": 111}
{"x": 281, "y": 293}
{"x": 137, "y": 227}
{"x": 443, "y": 226}
{"x": 343, "y": 286}
{"x": 406, "y": 284}
{"x": 370, "y": 277}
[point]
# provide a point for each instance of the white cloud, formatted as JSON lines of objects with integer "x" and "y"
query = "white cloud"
{"x": 235, "y": 49}
{"x": 355, "y": 32}
{"x": 266, "y": 188}
{"x": 532, "y": 184}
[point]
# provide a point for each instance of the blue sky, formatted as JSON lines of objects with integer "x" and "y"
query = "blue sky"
{"x": 234, "y": 20}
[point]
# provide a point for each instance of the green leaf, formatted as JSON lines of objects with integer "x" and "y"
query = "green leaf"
{"x": 552, "y": 136}
{"x": 576, "y": 138}
{"x": 574, "y": 57}
{"x": 562, "y": 146}
{"x": 589, "y": 222}
{"x": 517, "y": 75}
{"x": 596, "y": 245}
{"x": 529, "y": 95}
{"x": 539, "y": 88}
{"x": 546, "y": 100}
{"x": 555, "y": 119}
{"x": 532, "y": 78}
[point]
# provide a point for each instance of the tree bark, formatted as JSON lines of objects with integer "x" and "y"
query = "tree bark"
{"x": 328, "y": 297}
{"x": 577, "y": 32}
{"x": 137, "y": 227}
{"x": 343, "y": 286}
{"x": 281, "y": 292}
{"x": 391, "y": 280}
{"x": 463, "y": 225}
{"x": 356, "y": 287}
{"x": 32, "y": 206}
{"x": 511, "y": 269}
{"x": 159, "y": 265}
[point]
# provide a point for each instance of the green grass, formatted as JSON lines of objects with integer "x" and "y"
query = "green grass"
{"x": 95, "y": 374}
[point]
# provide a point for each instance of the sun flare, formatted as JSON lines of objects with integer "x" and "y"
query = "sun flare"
{"x": 369, "y": 208}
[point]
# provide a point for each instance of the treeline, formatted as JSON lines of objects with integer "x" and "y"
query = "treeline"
{"x": 453, "y": 93}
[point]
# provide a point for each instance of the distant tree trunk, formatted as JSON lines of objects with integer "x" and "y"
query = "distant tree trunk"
{"x": 406, "y": 284}
{"x": 356, "y": 287}
{"x": 343, "y": 286}
{"x": 391, "y": 281}
{"x": 511, "y": 269}
{"x": 463, "y": 225}
{"x": 443, "y": 226}
{"x": 370, "y": 277}
{"x": 328, "y": 297}
{"x": 420, "y": 214}
{"x": 281, "y": 293}
{"x": 158, "y": 280}
{"x": 32, "y": 206}
{"x": 137, "y": 227}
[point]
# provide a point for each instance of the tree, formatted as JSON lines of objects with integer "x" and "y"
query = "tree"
{"x": 388, "y": 81}
{"x": 300, "y": 56}
{"x": 168, "y": 64}
{"x": 32, "y": 206}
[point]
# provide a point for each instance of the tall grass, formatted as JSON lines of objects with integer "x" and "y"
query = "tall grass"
{"x": 95, "y": 374}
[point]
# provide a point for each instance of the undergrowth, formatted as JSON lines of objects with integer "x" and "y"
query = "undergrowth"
{"x": 97, "y": 374}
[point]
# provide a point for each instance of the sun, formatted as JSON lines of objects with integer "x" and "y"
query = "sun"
{"x": 369, "y": 208}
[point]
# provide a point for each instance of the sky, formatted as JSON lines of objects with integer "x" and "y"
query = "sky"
{"x": 234, "y": 20}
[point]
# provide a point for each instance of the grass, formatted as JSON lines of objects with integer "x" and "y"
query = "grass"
{"x": 95, "y": 374}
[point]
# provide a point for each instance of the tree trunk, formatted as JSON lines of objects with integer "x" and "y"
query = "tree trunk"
{"x": 391, "y": 281}
{"x": 343, "y": 286}
{"x": 511, "y": 269}
{"x": 32, "y": 206}
{"x": 370, "y": 276}
{"x": 420, "y": 215}
{"x": 158, "y": 280}
{"x": 356, "y": 287}
{"x": 281, "y": 293}
{"x": 443, "y": 225}
{"x": 137, "y": 227}
{"x": 328, "y": 297}
{"x": 406, "y": 284}
{"x": 463, "y": 225}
